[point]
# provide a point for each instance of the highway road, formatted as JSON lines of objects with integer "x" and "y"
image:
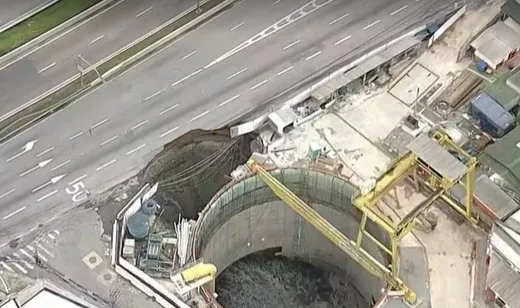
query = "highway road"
{"x": 47, "y": 66}
{"x": 226, "y": 67}
{"x": 11, "y": 10}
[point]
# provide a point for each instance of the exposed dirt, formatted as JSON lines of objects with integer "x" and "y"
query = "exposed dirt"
{"x": 193, "y": 168}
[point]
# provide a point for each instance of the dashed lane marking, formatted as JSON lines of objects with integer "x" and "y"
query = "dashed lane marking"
{"x": 135, "y": 149}
{"x": 229, "y": 100}
{"x": 236, "y": 27}
{"x": 105, "y": 165}
{"x": 169, "y": 109}
{"x": 258, "y": 85}
{"x": 313, "y": 55}
{"x": 342, "y": 40}
{"x": 338, "y": 19}
{"x": 169, "y": 132}
{"x": 14, "y": 213}
{"x": 143, "y": 12}
{"x": 285, "y": 71}
{"x": 45, "y": 152}
{"x": 372, "y": 24}
{"x": 139, "y": 125}
{"x": 291, "y": 44}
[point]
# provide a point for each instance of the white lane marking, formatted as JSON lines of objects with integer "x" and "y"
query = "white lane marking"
{"x": 45, "y": 152}
{"x": 313, "y": 55}
{"x": 57, "y": 232}
{"x": 186, "y": 77}
{"x": 17, "y": 256}
{"x": 372, "y": 24}
{"x": 237, "y": 73}
{"x": 229, "y": 100}
{"x": 33, "y": 228}
{"x": 169, "y": 131}
{"x": 52, "y": 193}
{"x": 3, "y": 245}
{"x": 143, "y": 12}
{"x": 7, "y": 193}
{"x": 7, "y": 267}
{"x": 195, "y": 118}
{"x": 276, "y": 2}
{"x": 132, "y": 151}
{"x": 291, "y": 44}
{"x": 139, "y": 125}
{"x": 99, "y": 123}
{"x": 61, "y": 165}
{"x": 399, "y": 10}
{"x": 153, "y": 95}
{"x": 105, "y": 165}
{"x": 285, "y": 71}
{"x": 54, "y": 38}
{"x": 342, "y": 40}
{"x": 77, "y": 180}
{"x": 47, "y": 67}
{"x": 169, "y": 109}
{"x": 305, "y": 10}
{"x": 19, "y": 267}
{"x": 51, "y": 236}
{"x": 338, "y": 19}
{"x": 236, "y": 27}
{"x": 25, "y": 253}
{"x": 258, "y": 85}
{"x": 96, "y": 39}
{"x": 189, "y": 55}
{"x": 109, "y": 140}
{"x": 40, "y": 246}
{"x": 76, "y": 136}
{"x": 14, "y": 213}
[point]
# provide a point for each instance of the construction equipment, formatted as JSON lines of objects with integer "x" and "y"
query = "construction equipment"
{"x": 429, "y": 161}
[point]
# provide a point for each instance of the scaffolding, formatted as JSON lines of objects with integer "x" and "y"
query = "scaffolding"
{"x": 433, "y": 160}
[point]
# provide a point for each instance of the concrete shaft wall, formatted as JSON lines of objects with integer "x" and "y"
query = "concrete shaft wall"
{"x": 247, "y": 217}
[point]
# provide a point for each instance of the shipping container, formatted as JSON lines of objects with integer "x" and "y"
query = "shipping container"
{"x": 492, "y": 118}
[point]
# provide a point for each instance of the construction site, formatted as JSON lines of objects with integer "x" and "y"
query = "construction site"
{"x": 364, "y": 194}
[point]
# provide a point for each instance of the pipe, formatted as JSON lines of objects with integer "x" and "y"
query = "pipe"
{"x": 199, "y": 271}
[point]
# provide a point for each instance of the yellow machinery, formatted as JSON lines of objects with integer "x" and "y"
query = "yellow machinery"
{"x": 434, "y": 159}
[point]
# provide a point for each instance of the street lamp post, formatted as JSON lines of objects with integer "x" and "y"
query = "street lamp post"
{"x": 91, "y": 66}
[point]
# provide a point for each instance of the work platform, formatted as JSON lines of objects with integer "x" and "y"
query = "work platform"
{"x": 436, "y": 162}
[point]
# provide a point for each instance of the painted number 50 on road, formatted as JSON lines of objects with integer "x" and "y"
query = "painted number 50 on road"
{"x": 78, "y": 192}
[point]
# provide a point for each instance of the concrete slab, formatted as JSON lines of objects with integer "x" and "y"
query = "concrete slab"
{"x": 413, "y": 84}
{"x": 375, "y": 118}
{"x": 354, "y": 149}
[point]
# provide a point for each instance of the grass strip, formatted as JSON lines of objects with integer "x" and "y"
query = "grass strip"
{"x": 41, "y": 22}
{"x": 64, "y": 97}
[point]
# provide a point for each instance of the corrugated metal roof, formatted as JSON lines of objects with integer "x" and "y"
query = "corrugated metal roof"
{"x": 504, "y": 280}
{"x": 496, "y": 43}
{"x": 437, "y": 157}
{"x": 512, "y": 9}
{"x": 504, "y": 158}
{"x": 493, "y": 111}
{"x": 507, "y": 242}
{"x": 502, "y": 93}
{"x": 487, "y": 192}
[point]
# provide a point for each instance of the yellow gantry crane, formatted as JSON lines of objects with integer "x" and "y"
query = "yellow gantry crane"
{"x": 435, "y": 159}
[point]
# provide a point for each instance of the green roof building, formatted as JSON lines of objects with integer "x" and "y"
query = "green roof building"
{"x": 503, "y": 158}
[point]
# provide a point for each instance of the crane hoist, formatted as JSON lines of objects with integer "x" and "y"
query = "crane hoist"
{"x": 430, "y": 157}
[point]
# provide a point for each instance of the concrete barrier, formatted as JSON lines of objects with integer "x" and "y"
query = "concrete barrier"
{"x": 165, "y": 39}
{"x": 18, "y": 52}
{"x": 27, "y": 15}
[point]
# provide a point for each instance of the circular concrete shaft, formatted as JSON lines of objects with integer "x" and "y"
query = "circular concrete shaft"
{"x": 247, "y": 217}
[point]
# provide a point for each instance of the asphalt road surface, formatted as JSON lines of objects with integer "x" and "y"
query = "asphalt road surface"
{"x": 226, "y": 67}
{"x": 10, "y": 10}
{"x": 45, "y": 67}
